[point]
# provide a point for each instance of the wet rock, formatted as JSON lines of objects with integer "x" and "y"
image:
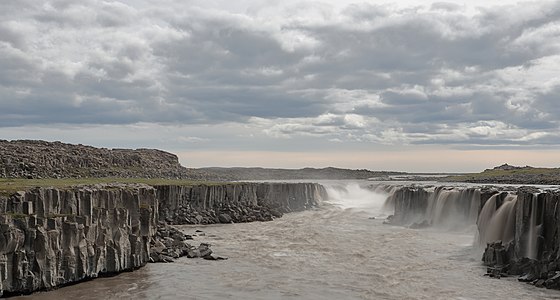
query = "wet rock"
{"x": 419, "y": 225}
{"x": 553, "y": 282}
{"x": 224, "y": 218}
{"x": 214, "y": 257}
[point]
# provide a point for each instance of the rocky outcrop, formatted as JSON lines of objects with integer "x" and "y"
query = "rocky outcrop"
{"x": 519, "y": 228}
{"x": 448, "y": 207}
{"x": 40, "y": 159}
{"x": 51, "y": 237}
{"x": 235, "y": 202}
{"x": 533, "y": 251}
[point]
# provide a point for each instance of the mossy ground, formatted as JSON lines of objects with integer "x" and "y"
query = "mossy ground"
{"x": 552, "y": 173}
{"x": 9, "y": 185}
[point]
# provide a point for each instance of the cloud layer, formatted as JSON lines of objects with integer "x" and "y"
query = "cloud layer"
{"x": 441, "y": 73}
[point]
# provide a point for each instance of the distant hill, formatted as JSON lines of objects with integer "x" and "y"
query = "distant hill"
{"x": 35, "y": 159}
{"x": 287, "y": 174}
{"x": 41, "y": 159}
{"x": 508, "y": 174}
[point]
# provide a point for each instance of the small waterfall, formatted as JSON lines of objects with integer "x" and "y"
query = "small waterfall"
{"x": 448, "y": 208}
{"x": 497, "y": 221}
{"x": 531, "y": 245}
{"x": 389, "y": 204}
{"x": 355, "y": 197}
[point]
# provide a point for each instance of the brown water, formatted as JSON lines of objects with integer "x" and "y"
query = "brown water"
{"x": 334, "y": 252}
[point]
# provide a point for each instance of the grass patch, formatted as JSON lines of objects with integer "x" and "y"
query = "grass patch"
{"x": 9, "y": 185}
{"x": 16, "y": 215}
{"x": 489, "y": 174}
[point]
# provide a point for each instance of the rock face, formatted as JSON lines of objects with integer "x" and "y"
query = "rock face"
{"x": 448, "y": 207}
{"x": 52, "y": 237}
{"x": 520, "y": 228}
{"x": 235, "y": 202}
{"x": 40, "y": 159}
{"x": 533, "y": 252}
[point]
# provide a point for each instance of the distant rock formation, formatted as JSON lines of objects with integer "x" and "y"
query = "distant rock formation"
{"x": 294, "y": 174}
{"x": 40, "y": 159}
{"x": 507, "y": 167}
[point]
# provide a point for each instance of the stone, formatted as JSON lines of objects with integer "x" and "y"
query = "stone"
{"x": 224, "y": 218}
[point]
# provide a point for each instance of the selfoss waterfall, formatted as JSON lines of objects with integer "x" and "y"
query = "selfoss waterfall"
{"x": 366, "y": 241}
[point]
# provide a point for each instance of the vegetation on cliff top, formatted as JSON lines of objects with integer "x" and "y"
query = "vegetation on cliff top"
{"x": 11, "y": 185}
{"x": 511, "y": 175}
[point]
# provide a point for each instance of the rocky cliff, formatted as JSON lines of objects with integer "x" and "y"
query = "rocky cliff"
{"x": 51, "y": 237}
{"x": 235, "y": 202}
{"x": 449, "y": 207}
{"x": 518, "y": 228}
{"x": 532, "y": 247}
{"x": 40, "y": 159}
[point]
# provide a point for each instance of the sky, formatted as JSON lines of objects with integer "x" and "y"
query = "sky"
{"x": 419, "y": 86}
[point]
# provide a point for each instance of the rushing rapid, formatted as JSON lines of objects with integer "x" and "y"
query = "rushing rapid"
{"x": 341, "y": 250}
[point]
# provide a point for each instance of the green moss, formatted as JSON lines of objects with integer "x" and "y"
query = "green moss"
{"x": 16, "y": 215}
{"x": 9, "y": 186}
{"x": 490, "y": 174}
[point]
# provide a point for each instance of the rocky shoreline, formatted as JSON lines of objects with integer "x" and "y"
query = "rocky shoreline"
{"x": 51, "y": 237}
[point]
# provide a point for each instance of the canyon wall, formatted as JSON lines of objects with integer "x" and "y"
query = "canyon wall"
{"x": 447, "y": 207}
{"x": 235, "y": 202}
{"x": 56, "y": 236}
{"x": 518, "y": 228}
{"x": 51, "y": 237}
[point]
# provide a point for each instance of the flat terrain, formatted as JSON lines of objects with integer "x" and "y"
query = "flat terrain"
{"x": 547, "y": 176}
{"x": 10, "y": 185}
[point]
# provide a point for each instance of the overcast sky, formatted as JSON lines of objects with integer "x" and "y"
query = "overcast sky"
{"x": 416, "y": 86}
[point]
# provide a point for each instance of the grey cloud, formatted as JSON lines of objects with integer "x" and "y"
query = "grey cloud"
{"x": 434, "y": 70}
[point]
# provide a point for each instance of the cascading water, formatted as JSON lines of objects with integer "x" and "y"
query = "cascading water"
{"x": 497, "y": 223}
{"x": 452, "y": 208}
{"x": 447, "y": 208}
{"x": 356, "y": 197}
{"x": 531, "y": 245}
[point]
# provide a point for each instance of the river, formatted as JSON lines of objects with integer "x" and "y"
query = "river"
{"x": 341, "y": 250}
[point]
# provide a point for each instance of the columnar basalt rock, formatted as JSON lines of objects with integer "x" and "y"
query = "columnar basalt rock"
{"x": 448, "y": 207}
{"x": 51, "y": 237}
{"x": 235, "y": 202}
{"x": 520, "y": 227}
{"x": 534, "y": 252}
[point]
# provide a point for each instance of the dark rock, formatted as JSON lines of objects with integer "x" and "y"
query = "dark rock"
{"x": 224, "y": 218}
{"x": 553, "y": 282}
{"x": 214, "y": 257}
{"x": 419, "y": 225}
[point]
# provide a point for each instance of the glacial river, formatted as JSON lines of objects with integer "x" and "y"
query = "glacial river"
{"x": 337, "y": 251}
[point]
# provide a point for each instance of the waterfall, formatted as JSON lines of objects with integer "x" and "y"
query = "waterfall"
{"x": 356, "y": 197}
{"x": 496, "y": 221}
{"x": 531, "y": 245}
{"x": 453, "y": 208}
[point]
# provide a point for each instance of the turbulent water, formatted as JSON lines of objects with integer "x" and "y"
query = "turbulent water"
{"x": 337, "y": 251}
